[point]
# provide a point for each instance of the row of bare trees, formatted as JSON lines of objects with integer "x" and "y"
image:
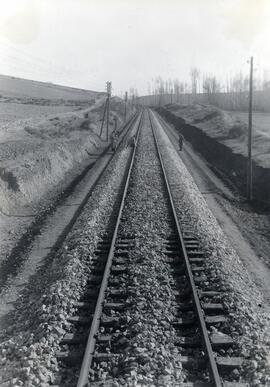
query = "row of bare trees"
{"x": 205, "y": 83}
{"x": 230, "y": 93}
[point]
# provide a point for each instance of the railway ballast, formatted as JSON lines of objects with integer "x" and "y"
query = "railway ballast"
{"x": 144, "y": 296}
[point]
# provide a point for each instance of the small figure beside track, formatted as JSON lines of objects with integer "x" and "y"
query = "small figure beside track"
{"x": 85, "y": 122}
{"x": 181, "y": 141}
{"x": 131, "y": 142}
{"x": 114, "y": 136}
{"x": 114, "y": 140}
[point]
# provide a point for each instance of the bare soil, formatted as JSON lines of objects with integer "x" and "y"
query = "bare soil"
{"x": 46, "y": 141}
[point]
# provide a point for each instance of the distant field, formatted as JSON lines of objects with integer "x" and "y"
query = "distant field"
{"x": 261, "y": 121}
{"x": 17, "y": 87}
{"x": 22, "y": 98}
{"x": 15, "y": 111}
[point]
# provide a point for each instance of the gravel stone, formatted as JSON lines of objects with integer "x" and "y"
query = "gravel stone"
{"x": 243, "y": 298}
{"x": 28, "y": 346}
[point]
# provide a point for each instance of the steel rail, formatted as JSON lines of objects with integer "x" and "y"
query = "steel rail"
{"x": 90, "y": 347}
{"x": 127, "y": 125}
{"x": 214, "y": 374}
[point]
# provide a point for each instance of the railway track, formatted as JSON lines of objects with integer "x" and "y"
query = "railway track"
{"x": 74, "y": 343}
{"x": 101, "y": 329}
{"x": 206, "y": 305}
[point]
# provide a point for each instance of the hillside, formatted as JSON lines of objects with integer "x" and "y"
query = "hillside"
{"x": 45, "y": 139}
{"x": 25, "y": 88}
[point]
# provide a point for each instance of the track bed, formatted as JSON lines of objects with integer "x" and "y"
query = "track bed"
{"x": 150, "y": 313}
{"x": 132, "y": 297}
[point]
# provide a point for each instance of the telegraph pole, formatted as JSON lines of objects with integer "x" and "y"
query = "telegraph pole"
{"x": 103, "y": 118}
{"x": 109, "y": 90}
{"x": 126, "y": 98}
{"x": 249, "y": 164}
{"x": 171, "y": 95}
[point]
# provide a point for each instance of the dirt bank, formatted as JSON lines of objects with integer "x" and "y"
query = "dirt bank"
{"x": 41, "y": 155}
{"x": 221, "y": 139}
{"x": 38, "y": 320}
{"x": 36, "y": 154}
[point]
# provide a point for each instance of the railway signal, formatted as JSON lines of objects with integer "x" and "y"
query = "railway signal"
{"x": 109, "y": 88}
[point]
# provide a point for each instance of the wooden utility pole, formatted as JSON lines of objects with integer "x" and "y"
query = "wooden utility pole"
{"x": 126, "y": 98}
{"x": 103, "y": 118}
{"x": 249, "y": 163}
{"x": 107, "y": 110}
{"x": 171, "y": 95}
{"x": 109, "y": 90}
{"x": 115, "y": 124}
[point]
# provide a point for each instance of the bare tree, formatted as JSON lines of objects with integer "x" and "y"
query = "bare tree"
{"x": 266, "y": 81}
{"x": 211, "y": 85}
{"x": 194, "y": 74}
{"x": 176, "y": 87}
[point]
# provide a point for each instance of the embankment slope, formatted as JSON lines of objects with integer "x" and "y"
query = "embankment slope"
{"x": 222, "y": 139}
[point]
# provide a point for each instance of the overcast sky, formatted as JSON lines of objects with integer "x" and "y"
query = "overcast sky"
{"x": 84, "y": 43}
